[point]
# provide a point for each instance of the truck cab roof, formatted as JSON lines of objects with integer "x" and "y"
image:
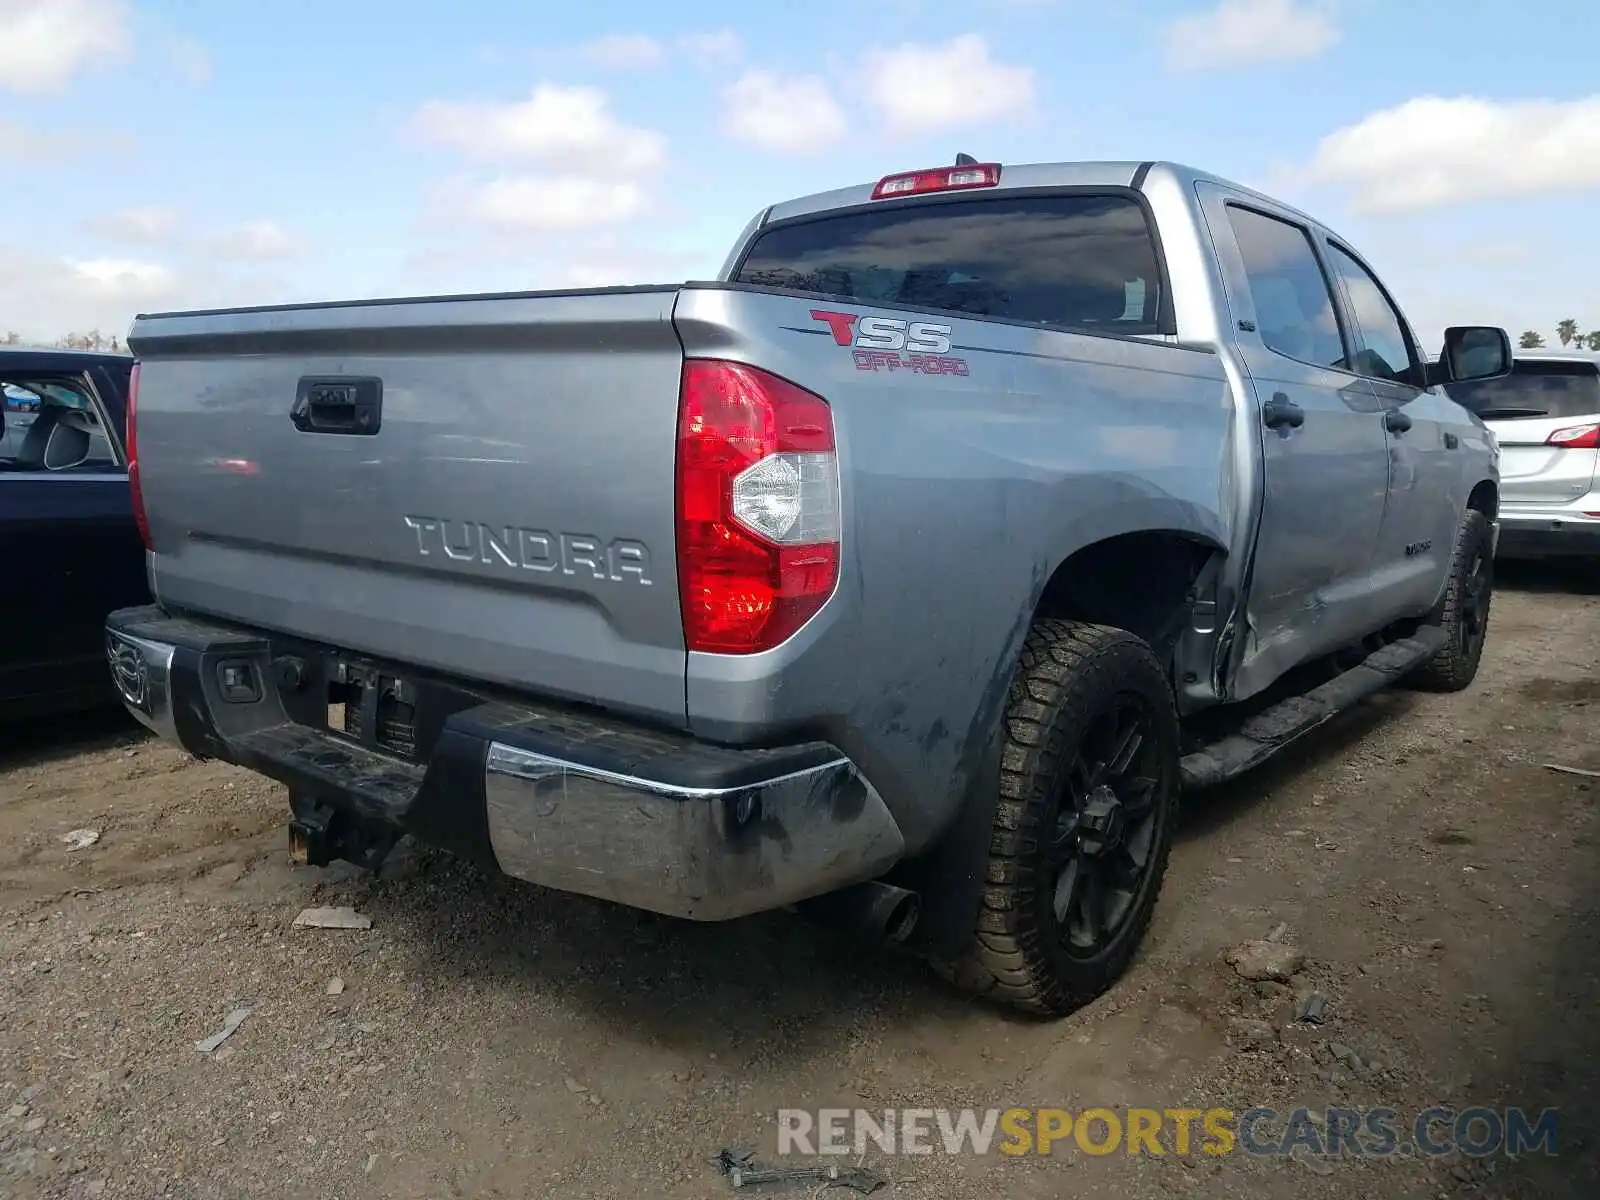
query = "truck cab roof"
{"x": 1113, "y": 173}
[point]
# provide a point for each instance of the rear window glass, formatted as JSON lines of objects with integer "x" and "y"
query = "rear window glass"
{"x": 1085, "y": 261}
{"x": 1533, "y": 389}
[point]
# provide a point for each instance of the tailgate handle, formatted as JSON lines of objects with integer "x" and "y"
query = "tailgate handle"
{"x": 346, "y": 404}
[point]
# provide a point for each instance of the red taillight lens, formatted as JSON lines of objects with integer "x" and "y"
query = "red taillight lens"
{"x": 940, "y": 179}
{"x": 758, "y": 507}
{"x": 131, "y": 438}
{"x": 1576, "y": 437}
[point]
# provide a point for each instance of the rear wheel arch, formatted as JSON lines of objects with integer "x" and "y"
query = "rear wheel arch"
{"x": 1140, "y": 582}
{"x": 1485, "y": 498}
{"x": 1143, "y": 582}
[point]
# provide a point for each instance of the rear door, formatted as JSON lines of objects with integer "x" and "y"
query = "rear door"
{"x": 1544, "y": 415}
{"x": 1322, "y": 439}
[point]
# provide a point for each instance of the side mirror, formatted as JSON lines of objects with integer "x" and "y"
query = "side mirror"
{"x": 1475, "y": 352}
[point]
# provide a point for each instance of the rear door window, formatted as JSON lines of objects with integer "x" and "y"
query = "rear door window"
{"x": 1533, "y": 390}
{"x": 1292, "y": 297}
{"x": 47, "y": 403}
{"x": 1082, "y": 261}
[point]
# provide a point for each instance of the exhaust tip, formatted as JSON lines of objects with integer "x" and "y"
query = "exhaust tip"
{"x": 878, "y": 911}
{"x": 903, "y": 918}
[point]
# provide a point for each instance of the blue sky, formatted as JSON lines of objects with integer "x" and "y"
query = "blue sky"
{"x": 166, "y": 154}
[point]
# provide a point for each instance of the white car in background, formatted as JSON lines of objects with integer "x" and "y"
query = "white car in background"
{"x": 1546, "y": 417}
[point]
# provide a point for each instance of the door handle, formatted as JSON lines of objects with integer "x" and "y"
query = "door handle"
{"x": 1282, "y": 413}
{"x": 338, "y": 404}
{"x": 1396, "y": 421}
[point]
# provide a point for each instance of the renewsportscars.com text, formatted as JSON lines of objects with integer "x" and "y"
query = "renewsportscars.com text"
{"x": 1376, "y": 1132}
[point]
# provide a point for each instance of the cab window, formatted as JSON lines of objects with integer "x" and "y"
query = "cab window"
{"x": 1084, "y": 261}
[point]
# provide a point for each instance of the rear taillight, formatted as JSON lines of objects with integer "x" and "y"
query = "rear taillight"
{"x": 939, "y": 179}
{"x": 131, "y": 437}
{"x": 757, "y": 507}
{"x": 1576, "y": 437}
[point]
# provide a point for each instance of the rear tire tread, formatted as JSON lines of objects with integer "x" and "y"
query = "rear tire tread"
{"x": 1063, "y": 664}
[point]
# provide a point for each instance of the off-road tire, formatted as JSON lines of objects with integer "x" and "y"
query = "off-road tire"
{"x": 1455, "y": 666}
{"x": 1068, "y": 677}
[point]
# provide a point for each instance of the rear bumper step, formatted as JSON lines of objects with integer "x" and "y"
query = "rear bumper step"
{"x": 564, "y": 799}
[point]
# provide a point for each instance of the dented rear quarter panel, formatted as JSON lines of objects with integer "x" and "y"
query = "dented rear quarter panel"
{"x": 962, "y": 493}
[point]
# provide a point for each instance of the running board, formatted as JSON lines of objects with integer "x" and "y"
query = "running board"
{"x": 1268, "y": 732}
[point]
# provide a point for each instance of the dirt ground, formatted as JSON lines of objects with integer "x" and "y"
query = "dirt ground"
{"x": 493, "y": 1040}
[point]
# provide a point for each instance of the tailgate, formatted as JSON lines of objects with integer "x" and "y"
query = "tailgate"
{"x": 510, "y": 520}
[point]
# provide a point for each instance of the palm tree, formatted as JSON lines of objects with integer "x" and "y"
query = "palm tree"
{"x": 1531, "y": 340}
{"x": 1593, "y": 339}
{"x": 1567, "y": 331}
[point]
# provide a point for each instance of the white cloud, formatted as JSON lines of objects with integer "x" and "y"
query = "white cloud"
{"x": 565, "y": 128}
{"x": 555, "y": 203}
{"x": 611, "y": 266}
{"x": 1435, "y": 150}
{"x": 792, "y": 115}
{"x": 44, "y": 43}
{"x": 21, "y": 144}
{"x": 150, "y": 225}
{"x": 923, "y": 88}
{"x": 1243, "y": 32}
{"x": 621, "y": 51}
{"x": 594, "y": 166}
{"x": 254, "y": 241}
{"x": 190, "y": 59}
{"x": 718, "y": 47}
{"x": 45, "y": 147}
{"x": 44, "y": 297}
{"x": 507, "y": 260}
{"x": 123, "y": 275}
{"x": 641, "y": 51}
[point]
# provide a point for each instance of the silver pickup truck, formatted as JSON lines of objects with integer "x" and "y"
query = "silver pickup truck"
{"x": 902, "y": 575}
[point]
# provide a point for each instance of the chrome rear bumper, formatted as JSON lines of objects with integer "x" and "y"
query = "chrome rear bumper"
{"x": 555, "y": 797}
